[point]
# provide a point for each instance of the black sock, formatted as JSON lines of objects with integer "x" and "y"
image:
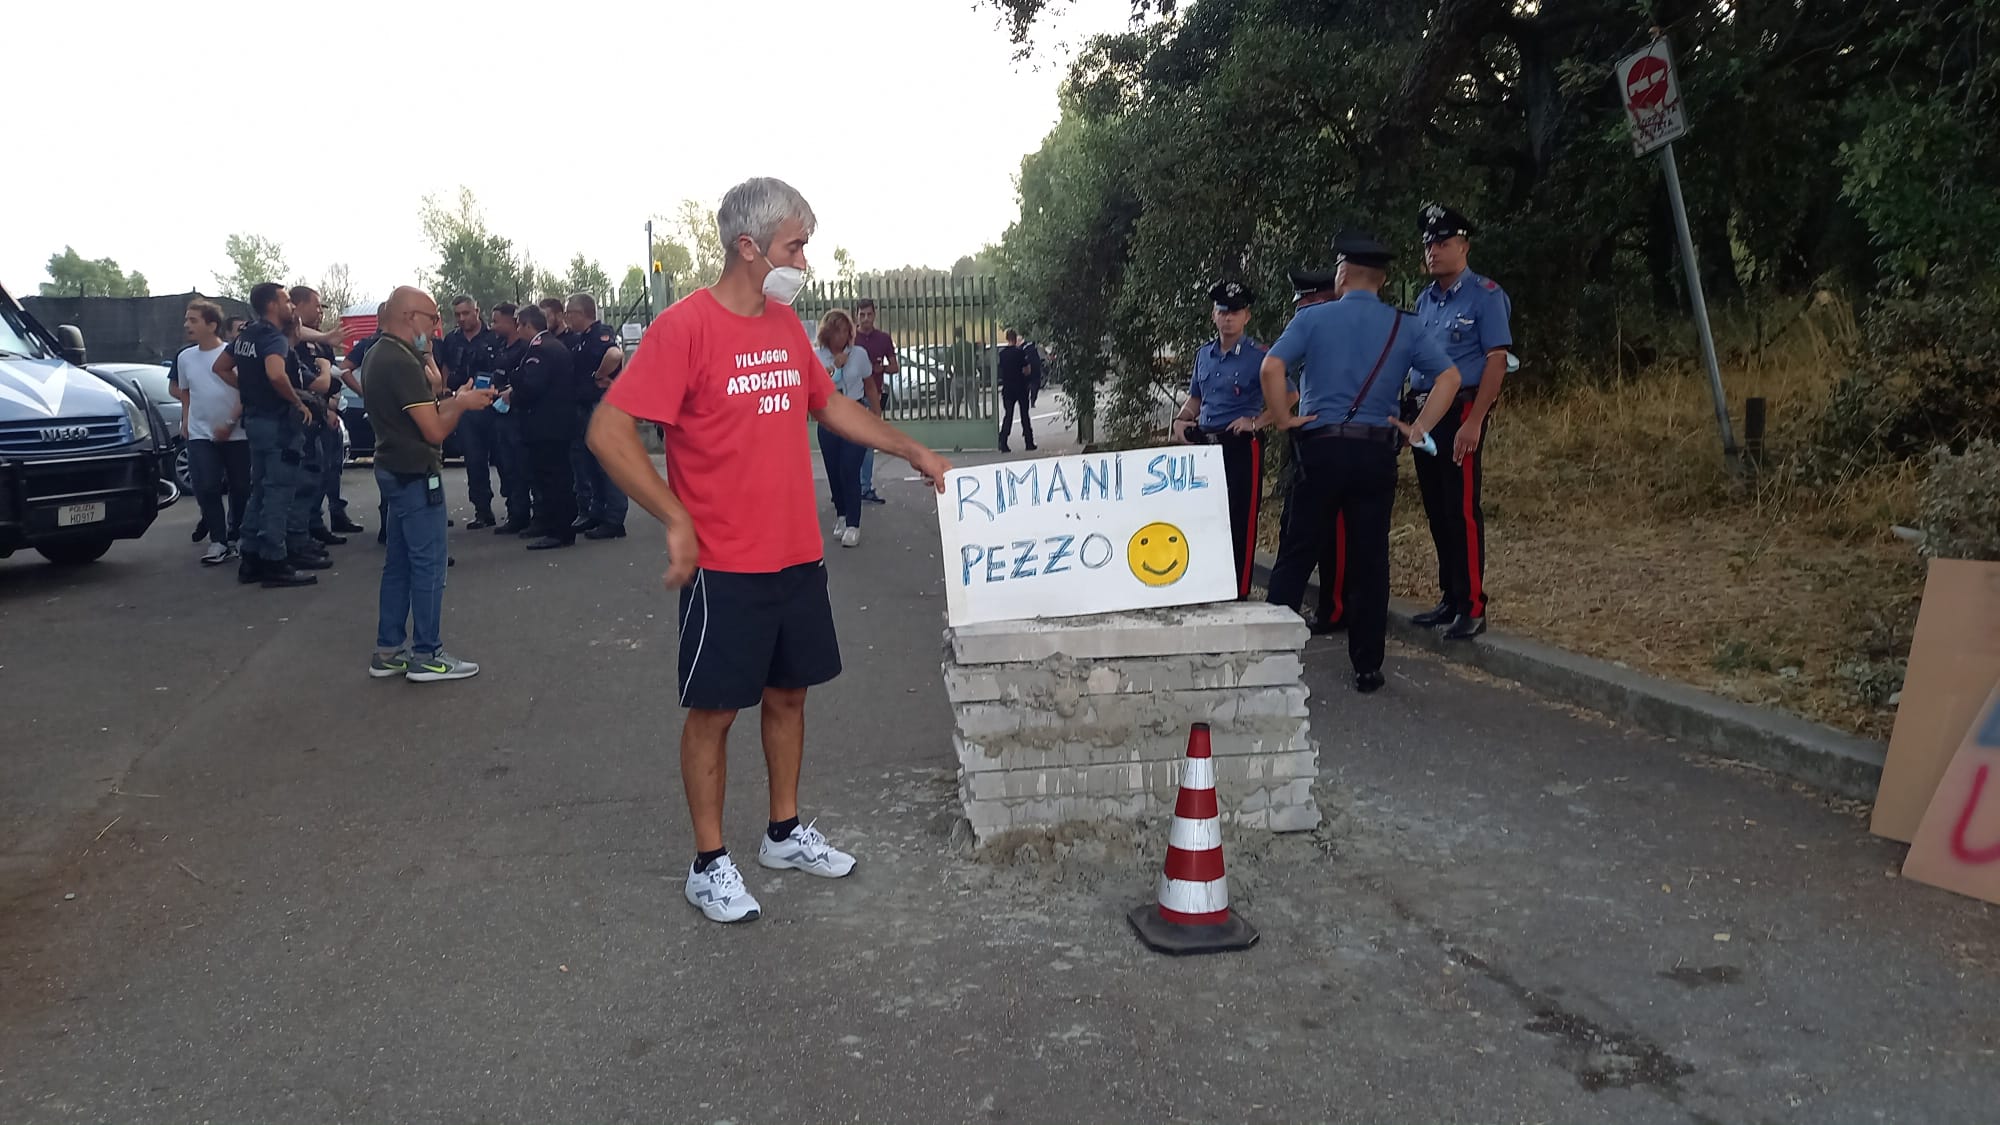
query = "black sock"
{"x": 780, "y": 829}
{"x": 704, "y": 860}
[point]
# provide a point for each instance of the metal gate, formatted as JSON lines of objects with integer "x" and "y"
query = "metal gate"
{"x": 947, "y": 332}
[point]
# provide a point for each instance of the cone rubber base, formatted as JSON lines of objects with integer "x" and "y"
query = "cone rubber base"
{"x": 1162, "y": 936}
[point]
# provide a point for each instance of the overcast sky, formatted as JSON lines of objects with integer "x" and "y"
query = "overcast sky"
{"x": 151, "y": 131}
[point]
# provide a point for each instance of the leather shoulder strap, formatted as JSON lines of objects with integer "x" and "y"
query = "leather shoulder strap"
{"x": 1395, "y": 326}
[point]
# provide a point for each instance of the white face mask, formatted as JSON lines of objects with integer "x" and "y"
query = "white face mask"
{"x": 783, "y": 283}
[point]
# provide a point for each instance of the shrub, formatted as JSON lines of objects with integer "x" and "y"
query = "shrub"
{"x": 1961, "y": 503}
{"x": 1926, "y": 377}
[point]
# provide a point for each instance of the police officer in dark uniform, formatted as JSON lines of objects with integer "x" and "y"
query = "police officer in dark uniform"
{"x": 473, "y": 353}
{"x": 1225, "y": 405}
{"x": 313, "y": 374}
{"x": 1316, "y": 287}
{"x": 542, "y": 393}
{"x": 1468, "y": 316}
{"x": 509, "y": 454}
{"x": 595, "y": 358}
{"x": 1350, "y": 354}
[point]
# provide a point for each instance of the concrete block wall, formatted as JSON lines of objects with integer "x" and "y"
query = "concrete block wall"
{"x": 1087, "y": 718}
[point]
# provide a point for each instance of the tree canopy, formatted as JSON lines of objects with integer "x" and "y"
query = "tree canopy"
{"x": 70, "y": 275}
{"x": 253, "y": 260}
{"x": 1839, "y": 142}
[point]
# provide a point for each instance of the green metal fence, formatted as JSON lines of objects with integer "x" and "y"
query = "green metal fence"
{"x": 948, "y": 333}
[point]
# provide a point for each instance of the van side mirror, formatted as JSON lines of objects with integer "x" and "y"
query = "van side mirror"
{"x": 71, "y": 339}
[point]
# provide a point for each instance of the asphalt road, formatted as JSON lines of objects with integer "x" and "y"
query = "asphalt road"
{"x": 302, "y": 895}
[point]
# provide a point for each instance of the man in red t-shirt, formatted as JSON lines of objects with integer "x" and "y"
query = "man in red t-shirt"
{"x": 731, "y": 378}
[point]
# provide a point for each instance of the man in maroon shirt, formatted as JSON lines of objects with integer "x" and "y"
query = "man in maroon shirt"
{"x": 882, "y": 350}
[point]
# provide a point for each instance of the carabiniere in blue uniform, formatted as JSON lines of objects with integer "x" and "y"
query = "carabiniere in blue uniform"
{"x": 1350, "y": 355}
{"x": 1467, "y": 314}
{"x": 1225, "y": 392}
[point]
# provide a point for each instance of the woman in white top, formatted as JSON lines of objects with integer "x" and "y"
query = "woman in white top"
{"x": 218, "y": 454}
{"x": 850, "y": 368}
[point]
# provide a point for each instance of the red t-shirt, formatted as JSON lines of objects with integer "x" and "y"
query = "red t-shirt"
{"x": 734, "y": 393}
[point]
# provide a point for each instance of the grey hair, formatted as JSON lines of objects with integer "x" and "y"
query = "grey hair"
{"x": 583, "y": 302}
{"x": 757, "y": 208}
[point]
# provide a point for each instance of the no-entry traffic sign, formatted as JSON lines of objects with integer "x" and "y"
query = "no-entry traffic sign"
{"x": 1652, "y": 97}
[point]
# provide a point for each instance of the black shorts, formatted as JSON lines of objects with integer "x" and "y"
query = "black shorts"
{"x": 742, "y": 633}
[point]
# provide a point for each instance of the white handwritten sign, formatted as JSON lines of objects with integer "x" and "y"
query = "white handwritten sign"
{"x": 1062, "y": 536}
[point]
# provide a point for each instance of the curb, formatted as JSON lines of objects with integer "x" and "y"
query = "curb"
{"x": 1821, "y": 756}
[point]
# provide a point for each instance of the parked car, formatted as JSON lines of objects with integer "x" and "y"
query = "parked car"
{"x": 83, "y": 454}
{"x": 151, "y": 379}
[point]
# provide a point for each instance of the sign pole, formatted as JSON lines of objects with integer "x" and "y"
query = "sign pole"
{"x": 1673, "y": 174}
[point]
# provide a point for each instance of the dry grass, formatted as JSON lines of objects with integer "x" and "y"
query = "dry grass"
{"x": 1615, "y": 528}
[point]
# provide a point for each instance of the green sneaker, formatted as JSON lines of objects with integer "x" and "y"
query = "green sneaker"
{"x": 440, "y": 666}
{"x": 394, "y": 664}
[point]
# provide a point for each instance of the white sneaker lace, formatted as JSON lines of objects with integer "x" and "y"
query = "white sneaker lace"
{"x": 727, "y": 879}
{"x": 812, "y": 842}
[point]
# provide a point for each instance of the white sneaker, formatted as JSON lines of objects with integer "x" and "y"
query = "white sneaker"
{"x": 720, "y": 893}
{"x": 216, "y": 555}
{"x": 851, "y": 537}
{"x": 840, "y": 527}
{"x": 805, "y": 850}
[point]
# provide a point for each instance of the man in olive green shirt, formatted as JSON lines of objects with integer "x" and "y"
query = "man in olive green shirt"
{"x": 410, "y": 428}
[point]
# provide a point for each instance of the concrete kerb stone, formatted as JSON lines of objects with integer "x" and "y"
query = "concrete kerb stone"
{"x": 1078, "y": 720}
{"x": 1051, "y": 681}
{"x": 1829, "y": 759}
{"x": 1230, "y": 627}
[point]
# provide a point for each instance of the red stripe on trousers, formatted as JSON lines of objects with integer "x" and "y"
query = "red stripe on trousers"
{"x": 1197, "y": 804}
{"x": 1469, "y": 466}
{"x": 1212, "y": 918}
{"x": 1256, "y": 495}
{"x": 1195, "y": 867}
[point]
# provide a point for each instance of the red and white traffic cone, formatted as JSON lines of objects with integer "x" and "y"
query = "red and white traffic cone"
{"x": 1193, "y": 915}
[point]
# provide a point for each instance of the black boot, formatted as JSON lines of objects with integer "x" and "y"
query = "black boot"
{"x": 1441, "y": 614}
{"x": 278, "y": 576}
{"x": 481, "y": 521}
{"x": 1368, "y": 683}
{"x": 582, "y": 524}
{"x": 511, "y": 527}
{"x": 606, "y": 531}
{"x": 345, "y": 526}
{"x": 1466, "y": 627}
{"x": 322, "y": 535}
{"x": 250, "y": 570}
{"x": 309, "y": 562}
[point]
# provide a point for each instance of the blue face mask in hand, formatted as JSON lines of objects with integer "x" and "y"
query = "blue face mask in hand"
{"x": 422, "y": 343}
{"x": 500, "y": 406}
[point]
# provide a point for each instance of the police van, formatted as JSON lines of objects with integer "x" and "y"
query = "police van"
{"x": 83, "y": 455}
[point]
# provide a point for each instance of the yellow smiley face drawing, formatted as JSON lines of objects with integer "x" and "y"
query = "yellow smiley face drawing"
{"x": 1158, "y": 554}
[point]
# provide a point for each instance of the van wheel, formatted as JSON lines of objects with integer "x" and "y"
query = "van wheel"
{"x": 74, "y": 552}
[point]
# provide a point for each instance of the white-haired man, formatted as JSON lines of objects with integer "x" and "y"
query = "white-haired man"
{"x": 730, "y": 375}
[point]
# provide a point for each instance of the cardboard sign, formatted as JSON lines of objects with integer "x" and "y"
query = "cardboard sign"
{"x": 1063, "y": 536}
{"x": 1958, "y": 844}
{"x": 1954, "y": 663}
{"x": 1651, "y": 94}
